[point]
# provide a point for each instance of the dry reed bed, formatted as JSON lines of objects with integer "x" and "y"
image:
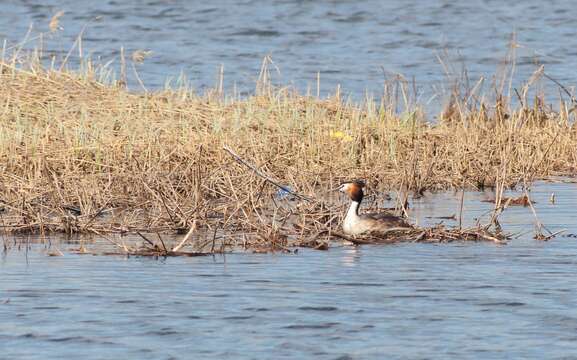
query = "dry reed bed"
{"x": 78, "y": 156}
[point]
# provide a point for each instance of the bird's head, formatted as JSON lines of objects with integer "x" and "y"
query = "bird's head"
{"x": 354, "y": 189}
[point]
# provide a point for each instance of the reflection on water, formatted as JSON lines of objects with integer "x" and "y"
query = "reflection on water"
{"x": 354, "y": 43}
{"x": 459, "y": 300}
{"x": 351, "y": 257}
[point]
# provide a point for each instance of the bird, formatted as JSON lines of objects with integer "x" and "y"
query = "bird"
{"x": 367, "y": 224}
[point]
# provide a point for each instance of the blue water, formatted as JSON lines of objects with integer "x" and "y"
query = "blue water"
{"x": 407, "y": 301}
{"x": 357, "y": 44}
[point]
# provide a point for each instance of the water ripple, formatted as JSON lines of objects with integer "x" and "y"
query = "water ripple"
{"x": 318, "y": 308}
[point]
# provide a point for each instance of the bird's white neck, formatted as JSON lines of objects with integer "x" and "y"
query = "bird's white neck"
{"x": 350, "y": 224}
{"x": 353, "y": 210}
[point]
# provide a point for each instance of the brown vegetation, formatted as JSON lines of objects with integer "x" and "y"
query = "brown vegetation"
{"x": 80, "y": 155}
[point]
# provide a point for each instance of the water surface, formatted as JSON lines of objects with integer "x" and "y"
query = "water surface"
{"x": 353, "y": 43}
{"x": 407, "y": 301}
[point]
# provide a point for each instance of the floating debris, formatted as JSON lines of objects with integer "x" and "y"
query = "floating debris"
{"x": 522, "y": 200}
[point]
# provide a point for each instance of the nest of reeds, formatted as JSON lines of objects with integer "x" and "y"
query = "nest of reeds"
{"x": 435, "y": 234}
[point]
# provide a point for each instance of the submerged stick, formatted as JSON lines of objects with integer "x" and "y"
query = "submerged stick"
{"x": 549, "y": 237}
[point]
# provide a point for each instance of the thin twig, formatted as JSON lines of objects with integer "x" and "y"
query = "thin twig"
{"x": 462, "y": 202}
{"x": 573, "y": 100}
{"x": 186, "y": 237}
{"x": 146, "y": 239}
{"x": 162, "y": 242}
{"x": 263, "y": 175}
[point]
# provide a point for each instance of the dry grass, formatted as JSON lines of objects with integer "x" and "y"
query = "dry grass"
{"x": 79, "y": 154}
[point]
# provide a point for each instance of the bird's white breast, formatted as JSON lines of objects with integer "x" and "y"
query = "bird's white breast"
{"x": 352, "y": 225}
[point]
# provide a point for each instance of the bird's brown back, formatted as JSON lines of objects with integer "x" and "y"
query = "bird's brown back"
{"x": 386, "y": 220}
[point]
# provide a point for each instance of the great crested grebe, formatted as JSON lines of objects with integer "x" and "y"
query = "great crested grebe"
{"x": 356, "y": 224}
